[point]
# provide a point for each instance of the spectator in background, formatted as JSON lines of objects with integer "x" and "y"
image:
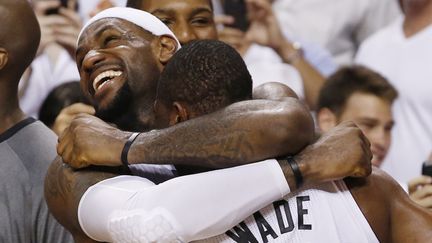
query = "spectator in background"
{"x": 402, "y": 53}
{"x": 338, "y": 25}
{"x": 67, "y": 97}
{"x": 360, "y": 95}
{"x": 26, "y": 145}
{"x": 365, "y": 97}
{"x": 270, "y": 55}
{"x": 54, "y": 63}
{"x": 89, "y": 8}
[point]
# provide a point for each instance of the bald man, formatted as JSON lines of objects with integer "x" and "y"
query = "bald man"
{"x": 26, "y": 145}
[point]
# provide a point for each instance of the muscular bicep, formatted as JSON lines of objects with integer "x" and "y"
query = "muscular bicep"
{"x": 389, "y": 211}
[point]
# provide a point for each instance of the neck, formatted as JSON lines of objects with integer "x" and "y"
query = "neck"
{"x": 10, "y": 113}
{"x": 418, "y": 15}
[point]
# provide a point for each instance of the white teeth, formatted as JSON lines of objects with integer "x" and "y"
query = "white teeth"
{"x": 107, "y": 74}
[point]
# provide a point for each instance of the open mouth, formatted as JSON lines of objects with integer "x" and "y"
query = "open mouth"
{"x": 104, "y": 77}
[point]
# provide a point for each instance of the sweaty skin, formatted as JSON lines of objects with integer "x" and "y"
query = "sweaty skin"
{"x": 103, "y": 51}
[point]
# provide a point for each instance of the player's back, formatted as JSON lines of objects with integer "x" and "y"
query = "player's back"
{"x": 326, "y": 213}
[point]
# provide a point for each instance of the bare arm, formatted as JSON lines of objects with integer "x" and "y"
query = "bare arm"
{"x": 63, "y": 190}
{"x": 65, "y": 187}
{"x": 243, "y": 132}
{"x": 313, "y": 80}
{"x": 389, "y": 210}
{"x": 410, "y": 222}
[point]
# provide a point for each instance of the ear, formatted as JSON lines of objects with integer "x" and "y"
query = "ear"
{"x": 168, "y": 46}
{"x": 326, "y": 119}
{"x": 180, "y": 113}
{"x": 4, "y": 58}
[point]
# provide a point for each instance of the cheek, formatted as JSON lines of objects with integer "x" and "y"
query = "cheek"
{"x": 388, "y": 139}
{"x": 208, "y": 33}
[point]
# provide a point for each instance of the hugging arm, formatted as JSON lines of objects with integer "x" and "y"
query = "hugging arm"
{"x": 184, "y": 201}
{"x": 64, "y": 186}
{"x": 63, "y": 190}
{"x": 241, "y": 133}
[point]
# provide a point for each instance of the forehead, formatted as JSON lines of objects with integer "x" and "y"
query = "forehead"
{"x": 152, "y": 5}
{"x": 367, "y": 105}
{"x": 98, "y": 28}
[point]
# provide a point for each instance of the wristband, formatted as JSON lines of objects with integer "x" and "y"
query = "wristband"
{"x": 296, "y": 171}
{"x": 128, "y": 144}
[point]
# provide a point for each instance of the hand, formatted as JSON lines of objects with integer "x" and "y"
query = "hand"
{"x": 231, "y": 36}
{"x": 102, "y": 5}
{"x": 342, "y": 152}
{"x": 90, "y": 141}
{"x": 67, "y": 28}
{"x": 264, "y": 27}
{"x": 420, "y": 191}
{"x": 45, "y": 22}
{"x": 67, "y": 114}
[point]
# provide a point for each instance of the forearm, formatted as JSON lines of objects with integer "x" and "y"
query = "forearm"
{"x": 241, "y": 133}
{"x": 313, "y": 80}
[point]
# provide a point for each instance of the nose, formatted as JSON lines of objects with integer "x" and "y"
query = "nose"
{"x": 92, "y": 58}
{"x": 185, "y": 33}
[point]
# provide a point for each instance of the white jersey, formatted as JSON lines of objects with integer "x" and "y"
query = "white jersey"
{"x": 327, "y": 213}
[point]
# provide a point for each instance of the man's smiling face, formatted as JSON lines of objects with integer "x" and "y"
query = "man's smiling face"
{"x": 117, "y": 65}
{"x": 188, "y": 19}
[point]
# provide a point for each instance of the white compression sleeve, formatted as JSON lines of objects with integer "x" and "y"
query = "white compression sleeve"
{"x": 196, "y": 206}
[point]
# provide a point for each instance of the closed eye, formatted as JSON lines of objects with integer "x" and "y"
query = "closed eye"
{"x": 110, "y": 39}
{"x": 166, "y": 21}
{"x": 201, "y": 21}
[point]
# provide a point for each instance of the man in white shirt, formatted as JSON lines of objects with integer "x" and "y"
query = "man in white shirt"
{"x": 340, "y": 26}
{"x": 402, "y": 53}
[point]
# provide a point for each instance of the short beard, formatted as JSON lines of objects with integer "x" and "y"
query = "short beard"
{"x": 119, "y": 107}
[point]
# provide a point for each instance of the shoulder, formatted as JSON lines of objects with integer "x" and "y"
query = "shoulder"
{"x": 374, "y": 196}
{"x": 379, "y": 184}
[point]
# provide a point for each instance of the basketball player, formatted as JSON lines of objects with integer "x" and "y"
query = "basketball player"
{"x": 116, "y": 46}
{"x": 340, "y": 211}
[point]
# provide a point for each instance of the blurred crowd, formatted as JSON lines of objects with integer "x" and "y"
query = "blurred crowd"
{"x": 365, "y": 61}
{"x": 298, "y": 43}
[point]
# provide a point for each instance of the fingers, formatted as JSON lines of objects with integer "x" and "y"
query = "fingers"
{"x": 78, "y": 108}
{"x": 426, "y": 202}
{"x": 72, "y": 17}
{"x": 417, "y": 182}
{"x": 40, "y": 7}
{"x": 72, "y": 4}
{"x": 67, "y": 114}
{"x": 425, "y": 191}
{"x": 423, "y": 196}
{"x": 361, "y": 146}
{"x": 224, "y": 19}
{"x": 258, "y": 9}
{"x": 231, "y": 36}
